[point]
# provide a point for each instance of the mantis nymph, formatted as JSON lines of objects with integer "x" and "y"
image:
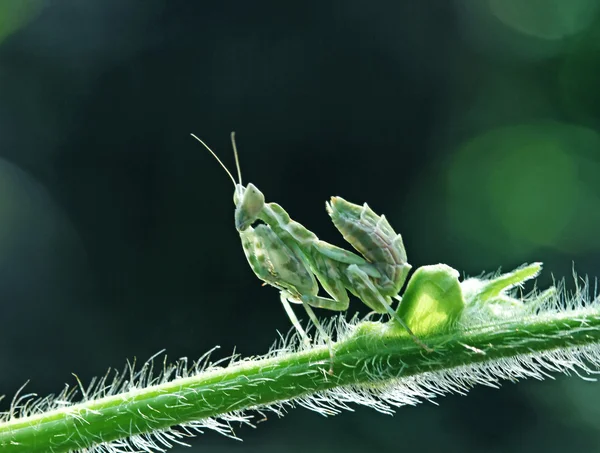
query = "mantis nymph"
{"x": 286, "y": 255}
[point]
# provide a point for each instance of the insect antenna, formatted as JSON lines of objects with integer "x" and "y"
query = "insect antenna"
{"x": 221, "y": 163}
{"x": 237, "y": 159}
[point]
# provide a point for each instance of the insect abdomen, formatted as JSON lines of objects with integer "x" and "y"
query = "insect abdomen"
{"x": 375, "y": 239}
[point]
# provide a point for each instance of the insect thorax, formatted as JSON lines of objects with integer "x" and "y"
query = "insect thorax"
{"x": 275, "y": 216}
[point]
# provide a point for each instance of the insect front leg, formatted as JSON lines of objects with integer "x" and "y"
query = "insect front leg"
{"x": 371, "y": 296}
{"x": 286, "y": 268}
{"x": 331, "y": 276}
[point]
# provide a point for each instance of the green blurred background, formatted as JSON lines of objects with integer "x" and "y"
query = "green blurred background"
{"x": 474, "y": 125}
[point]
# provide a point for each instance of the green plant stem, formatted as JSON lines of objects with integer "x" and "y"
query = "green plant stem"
{"x": 373, "y": 353}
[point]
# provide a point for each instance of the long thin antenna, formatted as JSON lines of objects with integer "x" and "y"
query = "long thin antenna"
{"x": 237, "y": 159}
{"x": 219, "y": 160}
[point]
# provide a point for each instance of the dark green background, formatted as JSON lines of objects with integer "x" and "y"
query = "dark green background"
{"x": 472, "y": 124}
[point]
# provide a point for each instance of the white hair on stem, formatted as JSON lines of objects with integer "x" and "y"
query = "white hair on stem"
{"x": 381, "y": 392}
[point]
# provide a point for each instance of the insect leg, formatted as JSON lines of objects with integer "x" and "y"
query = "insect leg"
{"x": 369, "y": 294}
{"x": 344, "y": 256}
{"x": 290, "y": 312}
{"x": 331, "y": 275}
{"x": 325, "y": 302}
{"x": 327, "y": 270}
{"x": 324, "y": 335}
{"x": 337, "y": 253}
{"x": 309, "y": 301}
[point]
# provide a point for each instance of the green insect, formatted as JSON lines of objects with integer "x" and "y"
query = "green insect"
{"x": 286, "y": 255}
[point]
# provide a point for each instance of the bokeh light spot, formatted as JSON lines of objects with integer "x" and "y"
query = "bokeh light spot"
{"x": 511, "y": 29}
{"x": 546, "y": 19}
{"x": 519, "y": 188}
{"x": 532, "y": 180}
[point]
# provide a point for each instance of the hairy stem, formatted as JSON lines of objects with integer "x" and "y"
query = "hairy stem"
{"x": 370, "y": 355}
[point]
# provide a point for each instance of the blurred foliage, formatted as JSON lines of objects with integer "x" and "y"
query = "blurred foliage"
{"x": 547, "y": 19}
{"x": 15, "y": 14}
{"x": 528, "y": 186}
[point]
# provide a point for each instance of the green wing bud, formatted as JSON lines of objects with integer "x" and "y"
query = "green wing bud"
{"x": 433, "y": 300}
